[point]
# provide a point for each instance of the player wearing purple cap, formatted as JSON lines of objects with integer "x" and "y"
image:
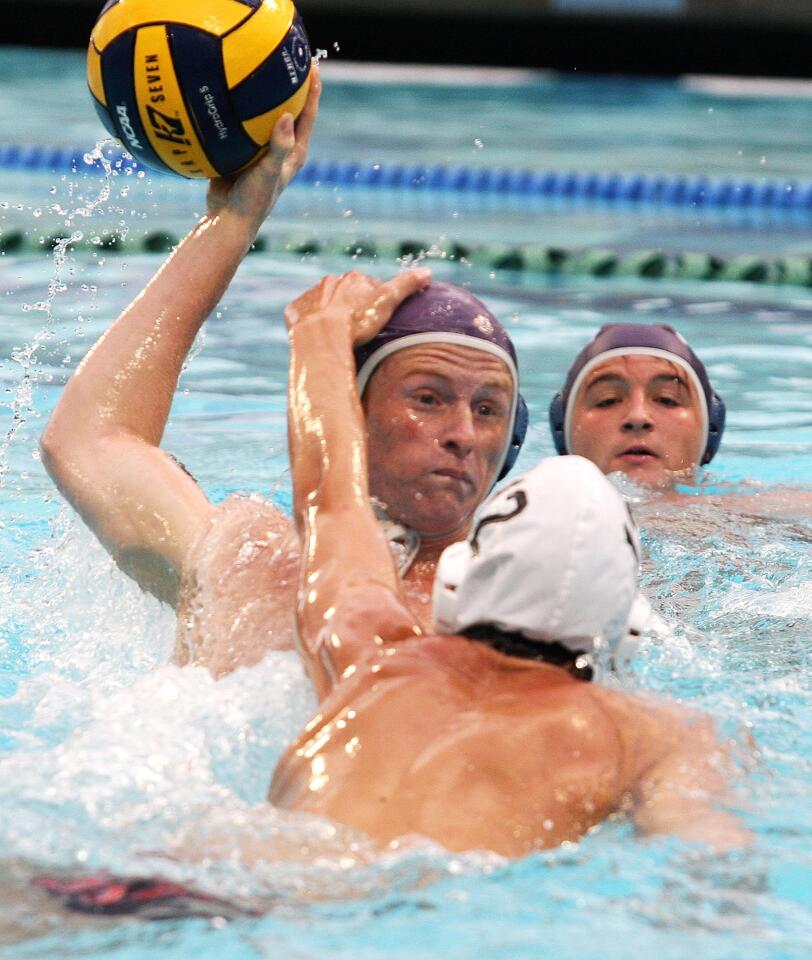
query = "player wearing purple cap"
{"x": 442, "y": 351}
{"x": 638, "y": 400}
{"x": 444, "y": 416}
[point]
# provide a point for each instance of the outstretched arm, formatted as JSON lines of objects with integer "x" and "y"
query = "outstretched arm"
{"x": 349, "y": 591}
{"x": 683, "y": 792}
{"x": 101, "y": 444}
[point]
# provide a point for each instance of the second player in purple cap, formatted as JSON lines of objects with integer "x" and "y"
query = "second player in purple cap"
{"x": 638, "y": 400}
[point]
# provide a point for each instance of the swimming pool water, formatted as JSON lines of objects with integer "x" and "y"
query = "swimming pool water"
{"x": 107, "y": 752}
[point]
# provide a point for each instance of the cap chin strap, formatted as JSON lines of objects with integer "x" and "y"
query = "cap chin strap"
{"x": 404, "y": 543}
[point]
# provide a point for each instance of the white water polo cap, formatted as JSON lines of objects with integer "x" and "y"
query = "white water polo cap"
{"x": 554, "y": 556}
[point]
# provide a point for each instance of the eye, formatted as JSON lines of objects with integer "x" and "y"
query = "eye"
{"x": 666, "y": 401}
{"x": 605, "y": 403}
{"x": 426, "y": 398}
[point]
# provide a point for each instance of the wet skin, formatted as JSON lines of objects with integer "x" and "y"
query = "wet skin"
{"x": 639, "y": 415}
{"x": 437, "y": 417}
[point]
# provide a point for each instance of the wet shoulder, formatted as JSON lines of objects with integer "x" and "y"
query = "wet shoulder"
{"x": 647, "y": 728}
{"x": 237, "y": 531}
{"x": 238, "y": 593}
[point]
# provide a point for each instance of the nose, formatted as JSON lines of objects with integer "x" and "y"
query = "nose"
{"x": 637, "y": 416}
{"x": 459, "y": 434}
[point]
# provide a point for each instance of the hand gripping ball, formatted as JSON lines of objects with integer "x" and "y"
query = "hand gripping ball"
{"x": 195, "y": 86}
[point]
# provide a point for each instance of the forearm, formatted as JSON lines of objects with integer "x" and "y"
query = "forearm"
{"x": 326, "y": 431}
{"x": 687, "y": 792}
{"x": 714, "y": 828}
{"x": 127, "y": 380}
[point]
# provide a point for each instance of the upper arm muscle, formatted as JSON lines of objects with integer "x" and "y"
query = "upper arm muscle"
{"x": 141, "y": 504}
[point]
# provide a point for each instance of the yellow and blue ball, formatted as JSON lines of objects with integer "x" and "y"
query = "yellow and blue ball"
{"x": 195, "y": 86}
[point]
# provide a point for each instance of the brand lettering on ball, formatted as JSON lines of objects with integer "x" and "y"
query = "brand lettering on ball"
{"x": 154, "y": 85}
{"x": 214, "y": 113}
{"x": 127, "y": 127}
{"x": 167, "y": 128}
{"x": 294, "y": 76}
{"x": 301, "y": 50}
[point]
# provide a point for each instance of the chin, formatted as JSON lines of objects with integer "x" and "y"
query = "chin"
{"x": 653, "y": 474}
{"x": 658, "y": 476}
{"x": 438, "y": 523}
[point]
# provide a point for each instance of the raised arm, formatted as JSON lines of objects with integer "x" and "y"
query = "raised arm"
{"x": 349, "y": 591}
{"x": 101, "y": 444}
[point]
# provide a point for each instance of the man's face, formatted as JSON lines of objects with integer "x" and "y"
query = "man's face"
{"x": 437, "y": 419}
{"x": 639, "y": 415}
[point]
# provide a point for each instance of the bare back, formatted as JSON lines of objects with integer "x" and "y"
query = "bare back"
{"x": 444, "y": 737}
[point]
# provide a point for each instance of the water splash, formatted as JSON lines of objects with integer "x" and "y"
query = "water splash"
{"x": 25, "y": 355}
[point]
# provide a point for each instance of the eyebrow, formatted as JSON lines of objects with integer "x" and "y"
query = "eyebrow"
{"x": 617, "y": 378}
{"x": 503, "y": 385}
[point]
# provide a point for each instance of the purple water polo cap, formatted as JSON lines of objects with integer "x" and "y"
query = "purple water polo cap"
{"x": 630, "y": 339}
{"x": 445, "y": 313}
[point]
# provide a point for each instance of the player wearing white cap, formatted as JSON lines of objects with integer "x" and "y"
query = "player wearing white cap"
{"x": 488, "y": 733}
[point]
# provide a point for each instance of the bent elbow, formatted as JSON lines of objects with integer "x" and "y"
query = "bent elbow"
{"x": 51, "y": 449}
{"x": 59, "y": 451}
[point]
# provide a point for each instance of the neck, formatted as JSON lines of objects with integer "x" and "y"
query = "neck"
{"x": 433, "y": 544}
{"x": 574, "y": 662}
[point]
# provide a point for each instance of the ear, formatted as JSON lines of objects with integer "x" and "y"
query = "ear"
{"x": 520, "y": 424}
{"x": 716, "y": 427}
{"x": 557, "y": 414}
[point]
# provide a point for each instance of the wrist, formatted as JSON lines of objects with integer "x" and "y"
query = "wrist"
{"x": 236, "y": 228}
{"x": 324, "y": 333}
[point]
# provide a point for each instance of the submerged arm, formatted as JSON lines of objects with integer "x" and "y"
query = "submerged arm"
{"x": 349, "y": 592}
{"x": 101, "y": 444}
{"x": 683, "y": 793}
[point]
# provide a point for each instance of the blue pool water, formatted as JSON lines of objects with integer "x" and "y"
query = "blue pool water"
{"x": 108, "y": 753}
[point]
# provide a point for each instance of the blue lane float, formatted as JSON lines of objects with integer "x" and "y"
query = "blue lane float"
{"x": 609, "y": 188}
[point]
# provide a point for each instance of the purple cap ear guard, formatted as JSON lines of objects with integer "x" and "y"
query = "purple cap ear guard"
{"x": 659, "y": 338}
{"x": 445, "y": 313}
